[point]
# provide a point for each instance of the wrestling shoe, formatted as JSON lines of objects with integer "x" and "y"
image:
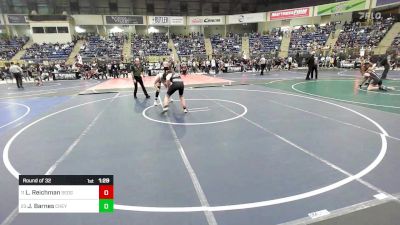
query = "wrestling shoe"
{"x": 185, "y": 110}
{"x": 155, "y": 103}
{"x": 382, "y": 88}
{"x": 391, "y": 88}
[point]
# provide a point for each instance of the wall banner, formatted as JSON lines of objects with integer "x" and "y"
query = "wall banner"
{"x": 206, "y": 20}
{"x": 166, "y": 20}
{"x": 247, "y": 18}
{"x": 124, "y": 20}
{"x": 340, "y": 7}
{"x": 290, "y": 13}
{"x": 15, "y": 19}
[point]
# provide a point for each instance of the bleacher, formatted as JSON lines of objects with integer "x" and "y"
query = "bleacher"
{"x": 231, "y": 44}
{"x": 96, "y": 46}
{"x": 192, "y": 44}
{"x": 10, "y": 47}
{"x": 354, "y": 35}
{"x": 155, "y": 44}
{"x": 306, "y": 39}
{"x": 262, "y": 44}
{"x": 48, "y": 52}
{"x": 396, "y": 42}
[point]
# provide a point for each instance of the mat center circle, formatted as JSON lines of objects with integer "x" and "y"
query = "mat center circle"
{"x": 208, "y": 111}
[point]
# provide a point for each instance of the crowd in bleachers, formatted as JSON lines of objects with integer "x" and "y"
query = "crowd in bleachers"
{"x": 268, "y": 43}
{"x": 192, "y": 44}
{"x": 306, "y": 39}
{"x": 231, "y": 44}
{"x": 96, "y": 46}
{"x": 48, "y": 51}
{"x": 396, "y": 41}
{"x": 354, "y": 35}
{"x": 303, "y": 40}
{"x": 10, "y": 47}
{"x": 155, "y": 44}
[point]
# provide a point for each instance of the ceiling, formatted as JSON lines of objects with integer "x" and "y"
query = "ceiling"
{"x": 152, "y": 7}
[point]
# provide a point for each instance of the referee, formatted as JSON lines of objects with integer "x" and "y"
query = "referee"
{"x": 386, "y": 65}
{"x": 137, "y": 70}
{"x": 311, "y": 65}
{"x": 16, "y": 71}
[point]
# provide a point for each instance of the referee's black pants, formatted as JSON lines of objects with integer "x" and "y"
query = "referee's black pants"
{"x": 310, "y": 72}
{"x": 18, "y": 78}
{"x": 315, "y": 69}
{"x": 262, "y": 69}
{"x": 140, "y": 81}
{"x": 385, "y": 72}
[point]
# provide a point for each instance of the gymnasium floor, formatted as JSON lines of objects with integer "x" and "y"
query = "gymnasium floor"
{"x": 269, "y": 151}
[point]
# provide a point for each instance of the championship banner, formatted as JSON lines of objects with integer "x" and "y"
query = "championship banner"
{"x": 15, "y": 19}
{"x": 340, "y": 7}
{"x": 124, "y": 20}
{"x": 290, "y": 13}
{"x": 386, "y": 2}
{"x": 247, "y": 18}
{"x": 206, "y": 20}
{"x": 166, "y": 20}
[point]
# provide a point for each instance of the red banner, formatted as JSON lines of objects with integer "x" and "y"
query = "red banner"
{"x": 290, "y": 13}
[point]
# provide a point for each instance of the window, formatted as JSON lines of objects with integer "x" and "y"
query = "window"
{"x": 38, "y": 30}
{"x": 62, "y": 29}
{"x": 50, "y": 30}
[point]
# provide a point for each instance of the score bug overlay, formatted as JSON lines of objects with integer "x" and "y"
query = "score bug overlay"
{"x": 66, "y": 194}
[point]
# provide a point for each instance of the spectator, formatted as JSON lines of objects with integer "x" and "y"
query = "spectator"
{"x": 232, "y": 43}
{"x": 306, "y": 39}
{"x": 96, "y": 46}
{"x": 10, "y": 47}
{"x": 262, "y": 44}
{"x": 155, "y": 45}
{"x": 41, "y": 52}
{"x": 187, "y": 45}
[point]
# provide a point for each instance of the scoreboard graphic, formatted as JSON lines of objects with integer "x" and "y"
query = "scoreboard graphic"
{"x": 66, "y": 194}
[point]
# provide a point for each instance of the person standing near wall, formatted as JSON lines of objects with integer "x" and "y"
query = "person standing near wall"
{"x": 115, "y": 69}
{"x": 290, "y": 60}
{"x": 214, "y": 65}
{"x": 269, "y": 64}
{"x": 262, "y": 64}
